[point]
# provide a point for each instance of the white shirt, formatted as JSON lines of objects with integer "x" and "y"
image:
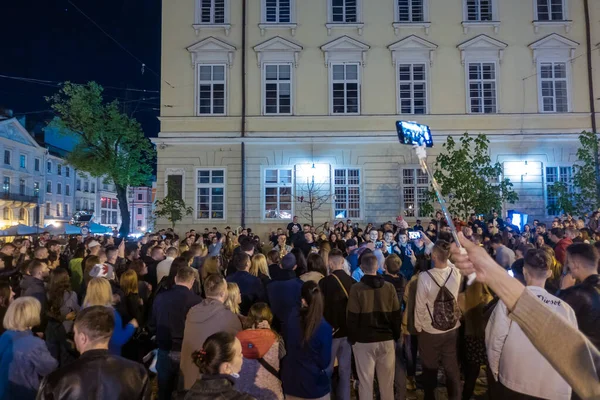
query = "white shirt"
{"x": 163, "y": 268}
{"x": 513, "y": 359}
{"x": 427, "y": 291}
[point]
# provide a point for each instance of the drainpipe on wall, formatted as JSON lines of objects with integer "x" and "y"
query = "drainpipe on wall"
{"x": 588, "y": 44}
{"x": 243, "y": 119}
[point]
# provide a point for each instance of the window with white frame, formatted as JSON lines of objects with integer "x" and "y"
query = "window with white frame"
{"x": 412, "y": 89}
{"x": 277, "y": 11}
{"x": 550, "y": 10}
{"x": 554, "y": 175}
{"x": 58, "y": 209}
{"x": 59, "y": 188}
{"x": 22, "y": 161}
{"x": 554, "y": 87}
{"x": 277, "y": 89}
{"x": 67, "y": 190}
{"x": 210, "y": 194}
{"x": 48, "y": 209}
{"x": 345, "y": 88}
{"x": 66, "y": 210}
{"x": 344, "y": 11}
{"x": 411, "y": 10}
{"x": 212, "y": 11}
{"x": 347, "y": 193}
{"x": 278, "y": 193}
{"x": 415, "y": 184}
{"x": 78, "y": 205}
{"x": 482, "y": 87}
{"x": 59, "y": 169}
{"x": 36, "y": 165}
{"x": 211, "y": 89}
{"x": 7, "y": 157}
{"x": 479, "y": 10}
{"x": 48, "y": 187}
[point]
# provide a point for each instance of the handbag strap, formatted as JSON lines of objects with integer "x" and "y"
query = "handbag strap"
{"x": 268, "y": 367}
{"x": 341, "y": 285}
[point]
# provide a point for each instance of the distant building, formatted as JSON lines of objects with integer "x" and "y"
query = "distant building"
{"x": 139, "y": 201}
{"x": 96, "y": 197}
{"x": 59, "y": 188}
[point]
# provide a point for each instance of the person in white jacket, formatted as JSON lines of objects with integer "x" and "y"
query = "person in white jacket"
{"x": 514, "y": 361}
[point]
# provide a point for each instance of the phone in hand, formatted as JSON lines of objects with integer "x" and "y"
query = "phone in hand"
{"x": 378, "y": 245}
{"x": 414, "y": 235}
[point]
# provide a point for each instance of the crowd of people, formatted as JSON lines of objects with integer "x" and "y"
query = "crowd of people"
{"x": 308, "y": 313}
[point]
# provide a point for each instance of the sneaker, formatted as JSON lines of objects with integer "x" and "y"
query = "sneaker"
{"x": 410, "y": 383}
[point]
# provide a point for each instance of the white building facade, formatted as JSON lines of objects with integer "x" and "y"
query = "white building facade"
{"x": 325, "y": 82}
{"x": 140, "y": 209}
{"x": 99, "y": 198}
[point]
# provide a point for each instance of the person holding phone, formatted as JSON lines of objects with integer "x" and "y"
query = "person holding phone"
{"x": 406, "y": 254}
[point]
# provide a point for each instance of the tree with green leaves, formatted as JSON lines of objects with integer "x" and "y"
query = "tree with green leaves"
{"x": 564, "y": 198}
{"x": 172, "y": 207}
{"x": 585, "y": 180}
{"x": 469, "y": 180}
{"x": 109, "y": 143}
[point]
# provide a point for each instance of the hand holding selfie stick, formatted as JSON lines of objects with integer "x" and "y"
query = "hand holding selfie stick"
{"x": 422, "y": 155}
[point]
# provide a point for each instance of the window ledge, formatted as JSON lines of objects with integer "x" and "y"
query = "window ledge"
{"x": 199, "y": 27}
{"x": 539, "y": 24}
{"x": 480, "y": 24}
{"x": 264, "y": 26}
{"x": 400, "y": 25}
{"x": 342, "y": 25}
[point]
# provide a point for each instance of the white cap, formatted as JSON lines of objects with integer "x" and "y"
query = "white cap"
{"x": 93, "y": 243}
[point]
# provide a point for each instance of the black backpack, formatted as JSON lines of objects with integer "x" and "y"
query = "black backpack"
{"x": 445, "y": 309}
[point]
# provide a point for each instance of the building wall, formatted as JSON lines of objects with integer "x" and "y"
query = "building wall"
{"x": 518, "y": 131}
{"x": 57, "y": 201}
{"x": 95, "y": 196}
{"x": 140, "y": 209}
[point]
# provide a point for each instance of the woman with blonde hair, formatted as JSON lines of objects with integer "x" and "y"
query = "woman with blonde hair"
{"x": 212, "y": 265}
{"x": 553, "y": 283}
{"x": 234, "y": 298}
{"x": 133, "y": 302}
{"x": 99, "y": 293}
{"x": 260, "y": 269}
{"x": 24, "y": 357}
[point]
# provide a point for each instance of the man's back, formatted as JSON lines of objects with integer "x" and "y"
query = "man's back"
{"x": 251, "y": 289}
{"x": 585, "y": 301}
{"x": 97, "y": 375}
{"x": 284, "y": 297}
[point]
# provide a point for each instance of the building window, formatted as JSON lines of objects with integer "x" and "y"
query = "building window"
{"x": 22, "y": 161}
{"x": 139, "y": 211}
{"x": 59, "y": 169}
{"x": 92, "y": 206}
{"x": 174, "y": 185}
{"x": 66, "y": 210}
{"x": 277, "y": 195}
{"x": 6, "y": 213}
{"x": 78, "y": 205}
{"x": 22, "y": 214}
{"x": 411, "y": 10}
{"x": 344, "y": 11}
{"x": 347, "y": 193}
{"x": 78, "y": 184}
{"x": 412, "y": 79}
{"x": 6, "y": 185}
{"x": 67, "y": 190}
{"x": 22, "y": 187}
{"x": 554, "y": 175}
{"x": 415, "y": 184}
{"x": 211, "y": 89}
{"x": 86, "y": 186}
{"x": 36, "y": 189}
{"x": 550, "y": 10}
{"x": 210, "y": 194}
{"x": 48, "y": 209}
{"x": 345, "y": 88}
{"x": 479, "y": 10}
{"x": 212, "y": 11}
{"x": 85, "y": 205}
{"x": 553, "y": 86}
{"x": 67, "y": 172}
{"x": 59, "y": 188}
{"x": 277, "y": 89}
{"x": 482, "y": 87}
{"x": 93, "y": 187}
{"x": 58, "y": 208}
{"x": 49, "y": 187}
{"x": 7, "y": 157}
{"x": 36, "y": 165}
{"x": 277, "y": 11}
{"x": 139, "y": 223}
{"x": 140, "y": 196}
{"x": 49, "y": 167}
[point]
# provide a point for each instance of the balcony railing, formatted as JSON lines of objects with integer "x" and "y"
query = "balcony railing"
{"x": 19, "y": 197}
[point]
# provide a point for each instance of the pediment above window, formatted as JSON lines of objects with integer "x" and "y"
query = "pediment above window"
{"x": 413, "y": 48}
{"x": 482, "y": 46}
{"x": 345, "y": 49}
{"x": 278, "y": 50}
{"x": 212, "y": 50}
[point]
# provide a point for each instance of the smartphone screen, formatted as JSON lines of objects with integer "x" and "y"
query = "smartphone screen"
{"x": 378, "y": 245}
{"x": 414, "y": 235}
{"x": 413, "y": 133}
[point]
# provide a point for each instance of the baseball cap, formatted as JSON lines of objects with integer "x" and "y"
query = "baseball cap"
{"x": 93, "y": 243}
{"x": 288, "y": 261}
{"x": 350, "y": 243}
{"x": 102, "y": 271}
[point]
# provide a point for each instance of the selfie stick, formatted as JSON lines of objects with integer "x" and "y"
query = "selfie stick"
{"x": 422, "y": 155}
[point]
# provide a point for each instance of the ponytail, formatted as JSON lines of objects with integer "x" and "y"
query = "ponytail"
{"x": 311, "y": 316}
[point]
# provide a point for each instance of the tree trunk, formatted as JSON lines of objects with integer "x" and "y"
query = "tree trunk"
{"x": 122, "y": 198}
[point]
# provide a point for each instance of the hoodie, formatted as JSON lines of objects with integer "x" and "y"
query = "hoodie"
{"x": 203, "y": 320}
{"x": 374, "y": 313}
{"x": 34, "y": 287}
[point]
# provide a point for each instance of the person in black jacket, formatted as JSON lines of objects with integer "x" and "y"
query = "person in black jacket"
{"x": 335, "y": 288}
{"x": 584, "y": 298}
{"x": 97, "y": 374}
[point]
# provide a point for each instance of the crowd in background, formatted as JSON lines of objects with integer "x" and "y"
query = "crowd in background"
{"x": 305, "y": 313}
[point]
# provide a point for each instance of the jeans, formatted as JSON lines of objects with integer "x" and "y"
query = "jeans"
{"x": 167, "y": 368}
{"x": 375, "y": 358}
{"x": 341, "y": 350}
{"x": 435, "y": 348}
{"x": 400, "y": 373}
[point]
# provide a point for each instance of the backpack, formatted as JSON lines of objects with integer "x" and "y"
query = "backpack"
{"x": 445, "y": 309}
{"x": 255, "y": 344}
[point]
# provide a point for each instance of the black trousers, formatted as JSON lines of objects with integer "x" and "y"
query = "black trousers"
{"x": 436, "y": 349}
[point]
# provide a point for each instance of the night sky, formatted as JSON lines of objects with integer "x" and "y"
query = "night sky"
{"x": 50, "y": 40}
